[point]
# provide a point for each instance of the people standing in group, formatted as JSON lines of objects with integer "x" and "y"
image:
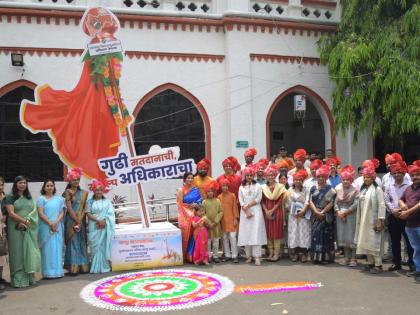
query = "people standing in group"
{"x": 370, "y": 221}
{"x": 321, "y": 202}
{"x": 75, "y": 258}
{"x": 22, "y": 232}
{"x": 299, "y": 224}
{"x": 410, "y": 211}
{"x": 3, "y": 234}
{"x": 272, "y": 203}
{"x": 186, "y": 198}
{"x": 214, "y": 214}
{"x": 345, "y": 207}
{"x": 101, "y": 217}
{"x": 252, "y": 233}
{"x": 51, "y": 210}
{"x": 202, "y": 178}
{"x": 230, "y": 222}
{"x": 394, "y": 191}
{"x": 334, "y": 163}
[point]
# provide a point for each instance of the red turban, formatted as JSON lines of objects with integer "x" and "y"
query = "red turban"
{"x": 95, "y": 184}
{"x": 347, "y": 173}
{"x": 300, "y": 154}
{"x": 414, "y": 168}
{"x": 315, "y": 164}
{"x": 204, "y": 164}
{"x": 333, "y": 161}
{"x": 300, "y": 175}
{"x": 399, "y": 167}
{"x": 250, "y": 152}
{"x": 369, "y": 171}
{"x": 262, "y": 164}
{"x": 272, "y": 169}
{"x": 392, "y": 158}
{"x": 233, "y": 162}
{"x": 224, "y": 181}
{"x": 74, "y": 173}
{"x": 323, "y": 171}
{"x": 285, "y": 163}
{"x": 373, "y": 163}
{"x": 249, "y": 170}
{"x": 211, "y": 186}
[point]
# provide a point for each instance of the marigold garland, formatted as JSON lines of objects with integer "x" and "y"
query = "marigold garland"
{"x": 100, "y": 72}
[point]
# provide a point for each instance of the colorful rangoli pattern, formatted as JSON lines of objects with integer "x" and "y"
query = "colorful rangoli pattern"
{"x": 157, "y": 290}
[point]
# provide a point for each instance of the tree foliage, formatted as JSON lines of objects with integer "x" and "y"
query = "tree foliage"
{"x": 374, "y": 60}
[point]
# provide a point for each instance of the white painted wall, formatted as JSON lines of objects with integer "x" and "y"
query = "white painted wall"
{"x": 236, "y": 93}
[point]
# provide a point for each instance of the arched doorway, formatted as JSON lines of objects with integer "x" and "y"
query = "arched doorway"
{"x": 283, "y": 129}
{"x": 22, "y": 152}
{"x": 171, "y": 116}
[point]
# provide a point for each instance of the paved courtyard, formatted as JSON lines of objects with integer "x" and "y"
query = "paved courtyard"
{"x": 343, "y": 291}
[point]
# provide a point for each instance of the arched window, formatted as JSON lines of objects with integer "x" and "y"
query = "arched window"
{"x": 21, "y": 152}
{"x": 167, "y": 119}
{"x": 286, "y": 130}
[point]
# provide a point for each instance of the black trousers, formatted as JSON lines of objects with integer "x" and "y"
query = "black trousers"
{"x": 396, "y": 228}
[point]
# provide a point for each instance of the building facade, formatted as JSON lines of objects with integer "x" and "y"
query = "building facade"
{"x": 211, "y": 76}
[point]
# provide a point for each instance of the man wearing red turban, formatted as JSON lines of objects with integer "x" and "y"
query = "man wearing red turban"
{"x": 249, "y": 156}
{"x": 410, "y": 211}
{"x": 391, "y": 159}
{"x": 334, "y": 163}
{"x": 202, "y": 178}
{"x": 396, "y": 227}
{"x": 231, "y": 166}
{"x": 299, "y": 156}
{"x": 261, "y": 166}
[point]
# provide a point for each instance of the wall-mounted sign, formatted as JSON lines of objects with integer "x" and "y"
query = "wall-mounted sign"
{"x": 300, "y": 102}
{"x": 242, "y": 144}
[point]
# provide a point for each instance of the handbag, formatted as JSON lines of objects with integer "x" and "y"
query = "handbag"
{"x": 4, "y": 249}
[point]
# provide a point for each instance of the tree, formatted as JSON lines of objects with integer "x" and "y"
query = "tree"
{"x": 373, "y": 58}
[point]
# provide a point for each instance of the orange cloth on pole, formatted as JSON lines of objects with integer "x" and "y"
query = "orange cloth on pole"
{"x": 79, "y": 122}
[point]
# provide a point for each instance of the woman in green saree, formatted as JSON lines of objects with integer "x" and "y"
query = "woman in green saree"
{"x": 22, "y": 231}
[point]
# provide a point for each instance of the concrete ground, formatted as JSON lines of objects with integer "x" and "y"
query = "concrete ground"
{"x": 344, "y": 291}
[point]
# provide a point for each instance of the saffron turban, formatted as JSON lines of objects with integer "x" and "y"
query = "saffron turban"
{"x": 399, "y": 167}
{"x": 95, "y": 184}
{"x": 323, "y": 171}
{"x": 347, "y": 173}
{"x": 271, "y": 169}
{"x": 249, "y": 170}
{"x": 300, "y": 154}
{"x": 204, "y": 164}
{"x": 333, "y": 161}
{"x": 373, "y": 163}
{"x": 74, "y": 173}
{"x": 285, "y": 163}
{"x": 414, "y": 168}
{"x": 315, "y": 164}
{"x": 224, "y": 182}
{"x": 211, "y": 186}
{"x": 262, "y": 164}
{"x": 392, "y": 158}
{"x": 250, "y": 152}
{"x": 300, "y": 175}
{"x": 232, "y": 162}
{"x": 369, "y": 171}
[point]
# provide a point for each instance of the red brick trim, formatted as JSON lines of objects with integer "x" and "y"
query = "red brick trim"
{"x": 284, "y": 59}
{"x": 153, "y": 55}
{"x": 167, "y": 22}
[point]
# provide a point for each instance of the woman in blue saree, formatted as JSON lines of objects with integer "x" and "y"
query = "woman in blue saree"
{"x": 321, "y": 201}
{"x": 100, "y": 213}
{"x": 187, "y": 197}
{"x": 75, "y": 258}
{"x": 51, "y": 238}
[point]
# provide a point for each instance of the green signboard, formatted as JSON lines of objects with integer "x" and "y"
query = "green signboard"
{"x": 242, "y": 144}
